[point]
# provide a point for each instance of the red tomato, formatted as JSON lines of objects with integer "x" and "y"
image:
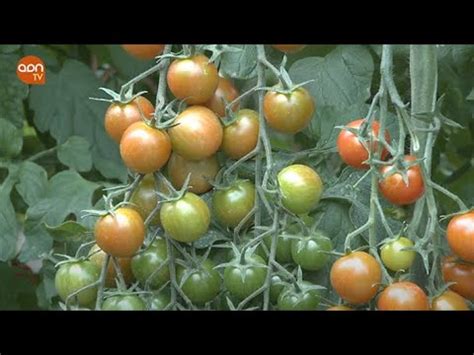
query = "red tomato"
{"x": 462, "y": 274}
{"x": 403, "y": 296}
{"x": 144, "y": 51}
{"x": 460, "y": 235}
{"x": 225, "y": 93}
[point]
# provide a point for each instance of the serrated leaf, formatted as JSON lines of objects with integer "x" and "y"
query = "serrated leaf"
{"x": 75, "y": 154}
{"x": 33, "y": 181}
{"x": 241, "y": 64}
{"x": 12, "y": 91}
{"x": 8, "y": 223}
{"x": 11, "y": 139}
{"x": 68, "y": 231}
{"x": 63, "y": 108}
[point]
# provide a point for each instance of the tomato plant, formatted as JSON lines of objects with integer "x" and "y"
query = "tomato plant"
{"x": 395, "y": 255}
{"x": 241, "y": 137}
{"x": 201, "y": 284}
{"x": 124, "y": 303}
{"x": 145, "y": 199}
{"x": 460, "y": 234}
{"x": 244, "y": 278}
{"x": 299, "y": 298}
{"x": 311, "y": 252}
{"x": 149, "y": 266}
{"x": 225, "y": 93}
{"x": 97, "y": 256}
{"x": 403, "y": 296}
{"x": 232, "y": 204}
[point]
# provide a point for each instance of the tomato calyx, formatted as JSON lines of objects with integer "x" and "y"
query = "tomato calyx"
{"x": 118, "y": 98}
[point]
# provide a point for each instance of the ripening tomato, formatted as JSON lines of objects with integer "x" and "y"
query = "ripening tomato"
{"x": 232, "y": 204}
{"x": 449, "y": 301}
{"x": 462, "y": 276}
{"x": 145, "y": 265}
{"x": 187, "y": 219}
{"x": 73, "y": 276}
{"x": 119, "y": 117}
{"x": 144, "y": 149}
{"x": 356, "y": 277}
{"x": 311, "y": 252}
{"x": 124, "y": 303}
{"x": 198, "y": 133}
{"x": 300, "y": 187}
{"x": 202, "y": 284}
{"x": 396, "y": 259}
{"x": 352, "y": 151}
{"x": 460, "y": 234}
{"x": 403, "y": 296}
{"x": 394, "y": 189}
{"x": 145, "y": 199}
{"x": 241, "y": 137}
{"x": 193, "y": 79}
{"x": 340, "y": 308}
{"x": 120, "y": 234}
{"x": 144, "y": 51}
{"x": 288, "y": 48}
{"x": 301, "y": 298}
{"x": 97, "y": 256}
{"x": 202, "y": 172}
{"x": 288, "y": 113}
{"x": 225, "y": 93}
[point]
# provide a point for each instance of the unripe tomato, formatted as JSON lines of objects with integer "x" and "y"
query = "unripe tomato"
{"x": 241, "y": 137}
{"x": 311, "y": 253}
{"x": 144, "y": 51}
{"x": 460, "y": 234}
{"x": 73, "y": 276}
{"x": 146, "y": 263}
{"x": 119, "y": 117}
{"x": 352, "y": 151}
{"x": 403, "y": 296}
{"x": 120, "y": 234}
{"x": 396, "y": 259}
{"x": 144, "y": 149}
{"x": 145, "y": 199}
{"x": 288, "y": 113}
{"x": 124, "y": 303}
{"x": 202, "y": 285}
{"x": 283, "y": 249}
{"x": 160, "y": 301}
{"x": 276, "y": 287}
{"x": 187, "y": 219}
{"x": 462, "y": 276}
{"x": 97, "y": 256}
{"x": 198, "y": 133}
{"x": 300, "y": 187}
{"x": 394, "y": 189}
{"x": 449, "y": 301}
{"x": 202, "y": 172}
{"x": 231, "y": 205}
{"x": 225, "y": 93}
{"x": 243, "y": 280}
{"x": 193, "y": 79}
{"x": 288, "y": 48}
{"x": 293, "y": 299}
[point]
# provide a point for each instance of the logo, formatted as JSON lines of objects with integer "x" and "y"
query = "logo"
{"x": 31, "y": 70}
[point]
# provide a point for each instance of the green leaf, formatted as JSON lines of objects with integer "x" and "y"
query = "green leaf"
{"x": 208, "y": 239}
{"x": 9, "y": 48}
{"x": 68, "y": 231}
{"x": 241, "y": 64}
{"x": 37, "y": 241}
{"x": 8, "y": 223}
{"x": 12, "y": 91}
{"x": 46, "y": 290}
{"x": 75, "y": 153}
{"x": 342, "y": 78}
{"x": 18, "y": 290}
{"x": 63, "y": 108}
{"x": 127, "y": 65}
{"x": 11, "y": 139}
{"x": 33, "y": 181}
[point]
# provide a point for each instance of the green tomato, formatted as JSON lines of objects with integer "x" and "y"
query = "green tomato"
{"x": 202, "y": 285}
{"x": 124, "y": 303}
{"x": 73, "y": 276}
{"x": 396, "y": 259}
{"x": 311, "y": 252}
{"x": 232, "y": 204}
{"x": 145, "y": 263}
{"x": 243, "y": 280}
{"x": 302, "y": 299}
{"x": 276, "y": 287}
{"x": 160, "y": 301}
{"x": 283, "y": 249}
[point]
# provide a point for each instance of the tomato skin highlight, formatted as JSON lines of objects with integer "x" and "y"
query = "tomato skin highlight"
{"x": 144, "y": 51}
{"x": 198, "y": 133}
{"x": 97, "y": 256}
{"x": 225, "y": 92}
{"x": 187, "y": 219}
{"x": 289, "y": 48}
{"x": 301, "y": 188}
{"x": 120, "y": 235}
{"x": 462, "y": 274}
{"x": 403, "y": 296}
{"x": 241, "y": 137}
{"x": 449, "y": 301}
{"x": 352, "y": 151}
{"x": 119, "y": 117}
{"x": 288, "y": 113}
{"x": 231, "y": 205}
{"x": 202, "y": 172}
{"x": 203, "y": 285}
{"x": 145, "y": 198}
{"x": 394, "y": 189}
{"x": 396, "y": 259}
{"x": 145, "y": 264}
{"x": 356, "y": 277}
{"x": 145, "y": 149}
{"x": 460, "y": 235}
{"x": 193, "y": 79}
{"x": 124, "y": 303}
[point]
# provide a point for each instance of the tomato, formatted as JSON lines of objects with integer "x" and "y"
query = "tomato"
{"x": 144, "y": 51}
{"x": 283, "y": 249}
{"x": 144, "y": 149}
{"x": 232, "y": 204}
{"x": 198, "y": 134}
{"x": 120, "y": 234}
{"x": 145, "y": 264}
{"x": 394, "y": 189}
{"x": 403, "y": 296}
{"x": 241, "y": 137}
{"x": 119, "y": 117}
{"x": 203, "y": 283}
{"x": 356, "y": 277}
{"x": 460, "y": 234}
{"x": 352, "y": 151}
{"x": 288, "y": 48}
{"x": 145, "y": 198}
{"x": 73, "y": 276}
{"x": 124, "y": 303}
{"x": 288, "y": 113}
{"x": 299, "y": 299}
{"x": 449, "y": 301}
{"x": 276, "y": 287}
{"x": 159, "y": 302}
{"x": 97, "y": 256}
{"x": 340, "y": 308}
{"x": 193, "y": 79}
{"x": 225, "y": 93}
{"x": 462, "y": 274}
{"x": 396, "y": 259}
{"x": 243, "y": 280}
{"x": 202, "y": 172}
{"x": 311, "y": 252}
{"x": 300, "y": 187}
{"x": 187, "y": 219}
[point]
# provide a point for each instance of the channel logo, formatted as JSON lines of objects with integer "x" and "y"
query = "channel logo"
{"x": 31, "y": 70}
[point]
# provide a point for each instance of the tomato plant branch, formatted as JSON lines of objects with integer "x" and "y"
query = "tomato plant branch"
{"x": 125, "y": 90}
{"x": 161, "y": 91}
{"x": 103, "y": 275}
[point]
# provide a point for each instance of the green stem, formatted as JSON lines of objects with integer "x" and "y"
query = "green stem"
{"x": 103, "y": 275}
{"x": 43, "y": 154}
